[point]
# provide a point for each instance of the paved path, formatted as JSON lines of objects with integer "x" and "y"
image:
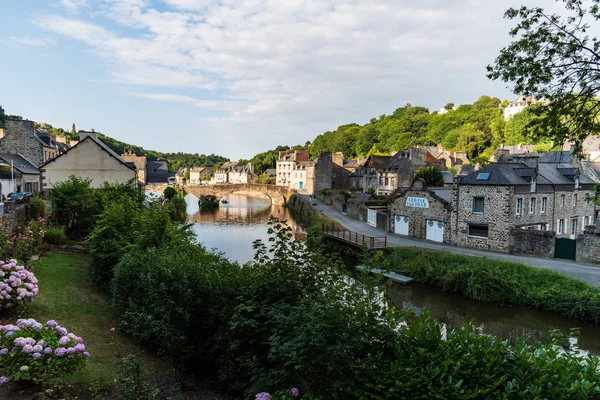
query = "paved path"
{"x": 586, "y": 273}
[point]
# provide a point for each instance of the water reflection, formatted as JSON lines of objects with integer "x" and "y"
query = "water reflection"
{"x": 233, "y": 227}
{"x": 505, "y": 321}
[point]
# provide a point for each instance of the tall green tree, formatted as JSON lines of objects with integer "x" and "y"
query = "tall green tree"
{"x": 554, "y": 57}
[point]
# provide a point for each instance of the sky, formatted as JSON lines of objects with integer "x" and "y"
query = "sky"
{"x": 236, "y": 78}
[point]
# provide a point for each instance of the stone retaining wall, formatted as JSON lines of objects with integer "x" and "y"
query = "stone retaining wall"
{"x": 531, "y": 242}
{"x": 588, "y": 249}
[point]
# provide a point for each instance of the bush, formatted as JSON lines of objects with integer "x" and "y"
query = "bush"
{"x": 169, "y": 192}
{"x": 24, "y": 242}
{"x": 177, "y": 208}
{"x": 431, "y": 175}
{"x": 326, "y": 192}
{"x": 30, "y": 351}
{"x": 55, "y": 236}
{"x": 36, "y": 208}
{"x": 17, "y": 286}
{"x": 483, "y": 279}
{"x": 74, "y": 206}
{"x": 209, "y": 202}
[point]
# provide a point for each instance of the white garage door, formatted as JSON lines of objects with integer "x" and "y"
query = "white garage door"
{"x": 435, "y": 231}
{"x": 401, "y": 225}
{"x": 371, "y": 217}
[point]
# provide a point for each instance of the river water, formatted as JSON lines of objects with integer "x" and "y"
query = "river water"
{"x": 234, "y": 226}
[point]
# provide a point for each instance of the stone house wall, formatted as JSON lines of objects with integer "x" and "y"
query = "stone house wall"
{"x": 13, "y": 215}
{"x": 318, "y": 176}
{"x": 588, "y": 248}
{"x": 531, "y": 242}
{"x": 498, "y": 216}
{"x": 20, "y": 139}
{"x": 438, "y": 210}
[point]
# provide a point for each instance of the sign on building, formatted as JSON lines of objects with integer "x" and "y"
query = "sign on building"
{"x": 417, "y": 202}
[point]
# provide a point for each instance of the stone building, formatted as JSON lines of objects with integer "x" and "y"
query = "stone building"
{"x": 450, "y": 159}
{"x": 36, "y": 145}
{"x": 518, "y": 105}
{"x": 89, "y": 159}
{"x": 521, "y": 192}
{"x": 157, "y": 172}
{"x": 297, "y": 171}
{"x": 422, "y": 212}
{"x": 18, "y": 175}
{"x": 234, "y": 172}
{"x": 140, "y": 163}
{"x": 400, "y": 170}
{"x": 199, "y": 174}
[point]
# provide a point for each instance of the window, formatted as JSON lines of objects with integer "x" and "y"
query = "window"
{"x": 478, "y": 205}
{"x": 532, "y": 205}
{"x": 560, "y": 226}
{"x": 393, "y": 181}
{"x": 573, "y": 226}
{"x": 479, "y": 231}
{"x": 574, "y": 199}
{"x": 380, "y": 181}
{"x": 387, "y": 181}
{"x": 544, "y": 205}
{"x": 577, "y": 185}
{"x": 562, "y": 200}
{"x": 519, "y": 206}
{"x": 532, "y": 187}
{"x": 483, "y": 176}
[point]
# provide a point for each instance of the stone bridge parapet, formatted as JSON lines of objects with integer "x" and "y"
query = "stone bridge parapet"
{"x": 277, "y": 194}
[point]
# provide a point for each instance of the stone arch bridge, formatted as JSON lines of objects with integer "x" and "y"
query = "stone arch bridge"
{"x": 277, "y": 194}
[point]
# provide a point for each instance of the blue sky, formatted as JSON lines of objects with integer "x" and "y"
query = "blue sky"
{"x": 239, "y": 77}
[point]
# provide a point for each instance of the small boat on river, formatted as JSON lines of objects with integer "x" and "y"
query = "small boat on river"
{"x": 224, "y": 201}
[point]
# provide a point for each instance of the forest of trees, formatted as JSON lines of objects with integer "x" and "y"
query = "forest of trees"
{"x": 476, "y": 129}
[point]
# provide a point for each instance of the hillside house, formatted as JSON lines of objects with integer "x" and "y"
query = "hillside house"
{"x": 297, "y": 171}
{"x": 18, "y": 174}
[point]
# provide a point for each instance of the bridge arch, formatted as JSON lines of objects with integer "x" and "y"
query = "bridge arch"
{"x": 277, "y": 194}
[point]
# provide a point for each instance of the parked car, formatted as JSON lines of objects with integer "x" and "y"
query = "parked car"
{"x": 16, "y": 197}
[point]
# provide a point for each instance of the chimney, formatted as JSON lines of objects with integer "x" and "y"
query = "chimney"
{"x": 502, "y": 145}
{"x": 478, "y": 166}
{"x": 73, "y": 143}
{"x": 84, "y": 134}
{"x": 519, "y": 146}
{"x": 440, "y": 147}
{"x": 61, "y": 139}
{"x": 338, "y": 158}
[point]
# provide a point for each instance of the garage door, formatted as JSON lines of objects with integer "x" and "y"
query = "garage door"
{"x": 371, "y": 217}
{"x": 435, "y": 231}
{"x": 401, "y": 225}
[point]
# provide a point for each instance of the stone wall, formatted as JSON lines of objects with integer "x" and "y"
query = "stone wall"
{"x": 438, "y": 210}
{"x": 319, "y": 176}
{"x": 531, "y": 242}
{"x": 13, "y": 215}
{"x": 20, "y": 139}
{"x": 588, "y": 249}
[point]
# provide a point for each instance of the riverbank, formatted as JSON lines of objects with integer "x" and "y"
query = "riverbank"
{"x": 499, "y": 281}
{"x": 303, "y": 211}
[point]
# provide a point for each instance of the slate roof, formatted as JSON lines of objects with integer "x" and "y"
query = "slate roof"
{"x": 19, "y": 163}
{"x": 444, "y": 193}
{"x": 271, "y": 171}
{"x": 157, "y": 172}
{"x": 555, "y": 157}
{"x": 377, "y": 162}
{"x": 517, "y": 174}
{"x": 396, "y": 163}
{"x": 467, "y": 169}
{"x": 448, "y": 177}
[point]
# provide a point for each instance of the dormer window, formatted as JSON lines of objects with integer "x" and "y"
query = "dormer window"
{"x": 532, "y": 185}
{"x": 577, "y": 185}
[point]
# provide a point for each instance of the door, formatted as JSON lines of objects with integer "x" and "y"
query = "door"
{"x": 434, "y": 231}
{"x": 371, "y": 217}
{"x": 574, "y": 228}
{"x": 565, "y": 248}
{"x": 401, "y": 224}
{"x": 301, "y": 185}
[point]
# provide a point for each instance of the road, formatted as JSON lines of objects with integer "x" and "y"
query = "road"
{"x": 583, "y": 272}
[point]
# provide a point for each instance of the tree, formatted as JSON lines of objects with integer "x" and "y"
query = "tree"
{"x": 431, "y": 175}
{"x": 449, "y": 107}
{"x": 74, "y": 134}
{"x": 2, "y": 117}
{"x": 553, "y": 57}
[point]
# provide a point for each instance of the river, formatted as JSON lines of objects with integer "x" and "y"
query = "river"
{"x": 234, "y": 226}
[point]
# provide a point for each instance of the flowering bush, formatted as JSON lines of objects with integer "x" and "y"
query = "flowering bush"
{"x": 24, "y": 242}
{"x": 32, "y": 351}
{"x": 17, "y": 285}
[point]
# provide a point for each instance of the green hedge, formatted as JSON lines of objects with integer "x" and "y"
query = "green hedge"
{"x": 484, "y": 279}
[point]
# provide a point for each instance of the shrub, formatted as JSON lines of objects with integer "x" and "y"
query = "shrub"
{"x": 209, "y": 202}
{"x": 31, "y": 351}
{"x": 431, "y": 175}
{"x": 24, "y": 242}
{"x": 74, "y": 206}
{"x": 169, "y": 192}
{"x": 55, "y": 236}
{"x": 17, "y": 286}
{"x": 326, "y": 192}
{"x": 177, "y": 208}
{"x": 36, "y": 207}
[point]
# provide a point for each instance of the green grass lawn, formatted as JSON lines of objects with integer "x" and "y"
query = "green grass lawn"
{"x": 68, "y": 295}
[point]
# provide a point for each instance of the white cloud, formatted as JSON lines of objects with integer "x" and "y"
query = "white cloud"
{"x": 73, "y": 6}
{"x": 29, "y": 41}
{"x": 294, "y": 67}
